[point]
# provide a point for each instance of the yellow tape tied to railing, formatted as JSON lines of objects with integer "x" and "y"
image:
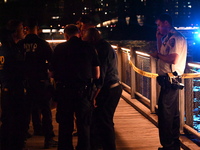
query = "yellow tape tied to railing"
{"x": 154, "y": 75}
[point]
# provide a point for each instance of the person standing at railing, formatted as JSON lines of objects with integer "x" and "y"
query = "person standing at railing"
{"x": 37, "y": 57}
{"x": 75, "y": 63}
{"x": 13, "y": 111}
{"x": 171, "y": 54}
{"x": 107, "y": 94}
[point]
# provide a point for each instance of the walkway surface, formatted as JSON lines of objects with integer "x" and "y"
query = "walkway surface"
{"x": 133, "y": 130}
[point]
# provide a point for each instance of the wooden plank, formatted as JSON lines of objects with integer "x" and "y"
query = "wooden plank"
{"x": 133, "y": 131}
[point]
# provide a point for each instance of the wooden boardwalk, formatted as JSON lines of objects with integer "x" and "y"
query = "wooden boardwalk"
{"x": 133, "y": 130}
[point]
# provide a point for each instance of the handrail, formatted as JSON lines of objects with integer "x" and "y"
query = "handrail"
{"x": 154, "y": 75}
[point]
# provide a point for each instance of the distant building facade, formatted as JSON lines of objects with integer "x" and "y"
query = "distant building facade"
{"x": 184, "y": 12}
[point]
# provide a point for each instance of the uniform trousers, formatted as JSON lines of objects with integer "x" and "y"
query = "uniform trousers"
{"x": 38, "y": 94}
{"x": 168, "y": 118}
{"x": 72, "y": 101}
{"x": 13, "y": 116}
{"x": 102, "y": 128}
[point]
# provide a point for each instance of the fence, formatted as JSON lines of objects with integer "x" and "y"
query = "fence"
{"x": 137, "y": 74}
{"x": 138, "y": 79}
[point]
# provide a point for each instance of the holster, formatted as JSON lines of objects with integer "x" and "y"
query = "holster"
{"x": 166, "y": 82}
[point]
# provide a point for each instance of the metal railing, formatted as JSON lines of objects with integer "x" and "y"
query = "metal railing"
{"x": 146, "y": 89}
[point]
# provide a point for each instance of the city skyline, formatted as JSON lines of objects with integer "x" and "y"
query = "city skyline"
{"x": 137, "y": 16}
{"x": 184, "y": 12}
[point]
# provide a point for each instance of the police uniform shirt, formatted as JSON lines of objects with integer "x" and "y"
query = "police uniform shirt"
{"x": 37, "y": 53}
{"x": 73, "y": 61}
{"x": 108, "y": 68}
{"x": 11, "y": 65}
{"x": 173, "y": 42}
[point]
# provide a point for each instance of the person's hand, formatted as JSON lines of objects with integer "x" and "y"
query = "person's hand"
{"x": 95, "y": 103}
{"x": 50, "y": 74}
{"x": 154, "y": 54}
{"x": 159, "y": 35}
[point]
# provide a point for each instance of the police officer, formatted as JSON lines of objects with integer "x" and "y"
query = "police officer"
{"x": 107, "y": 94}
{"x": 38, "y": 55}
{"x": 75, "y": 63}
{"x": 12, "y": 90}
{"x": 171, "y": 55}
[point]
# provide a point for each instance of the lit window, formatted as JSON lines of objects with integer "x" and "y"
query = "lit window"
{"x": 5, "y": 1}
{"x": 55, "y": 17}
{"x": 74, "y": 14}
{"x": 106, "y": 13}
{"x": 176, "y": 13}
{"x": 189, "y": 6}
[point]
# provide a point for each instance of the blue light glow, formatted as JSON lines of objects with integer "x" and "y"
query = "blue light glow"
{"x": 197, "y": 35}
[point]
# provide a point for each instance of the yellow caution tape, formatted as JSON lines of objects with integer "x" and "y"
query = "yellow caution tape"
{"x": 190, "y": 75}
{"x": 144, "y": 73}
{"x": 154, "y": 75}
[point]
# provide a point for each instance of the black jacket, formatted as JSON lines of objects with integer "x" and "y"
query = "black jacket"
{"x": 73, "y": 61}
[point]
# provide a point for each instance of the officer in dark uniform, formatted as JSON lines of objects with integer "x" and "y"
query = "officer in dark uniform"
{"x": 75, "y": 63}
{"x": 12, "y": 90}
{"x": 38, "y": 55}
{"x": 107, "y": 94}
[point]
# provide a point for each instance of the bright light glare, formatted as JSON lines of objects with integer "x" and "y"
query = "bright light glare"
{"x": 143, "y": 54}
{"x": 197, "y": 35}
{"x": 49, "y": 30}
{"x": 126, "y": 49}
{"x": 194, "y": 65}
{"x": 55, "y": 41}
{"x": 46, "y": 30}
{"x": 114, "y": 46}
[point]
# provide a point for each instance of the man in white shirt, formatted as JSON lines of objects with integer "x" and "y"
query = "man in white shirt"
{"x": 171, "y": 54}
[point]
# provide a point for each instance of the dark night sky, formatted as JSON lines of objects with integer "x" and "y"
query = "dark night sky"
{"x": 23, "y": 9}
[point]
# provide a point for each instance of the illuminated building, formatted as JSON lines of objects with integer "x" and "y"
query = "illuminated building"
{"x": 184, "y": 12}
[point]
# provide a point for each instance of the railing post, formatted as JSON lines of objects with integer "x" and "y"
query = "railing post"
{"x": 153, "y": 100}
{"x": 189, "y": 102}
{"x": 182, "y": 107}
{"x": 119, "y": 61}
{"x": 133, "y": 74}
